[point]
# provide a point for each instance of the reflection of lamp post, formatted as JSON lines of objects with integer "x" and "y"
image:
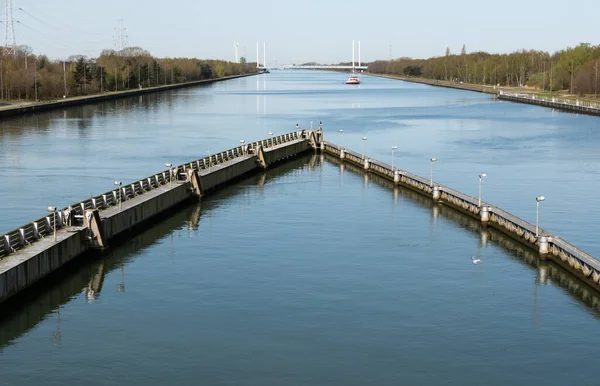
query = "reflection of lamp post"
{"x": 121, "y": 286}
{"x": 170, "y": 175}
{"x": 52, "y": 209}
{"x": 363, "y": 146}
{"x": 480, "y": 182}
{"x": 118, "y": 184}
{"x": 431, "y": 171}
{"x": 537, "y": 213}
{"x": 340, "y": 131}
{"x": 393, "y": 149}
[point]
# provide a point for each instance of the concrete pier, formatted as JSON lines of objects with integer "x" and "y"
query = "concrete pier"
{"x": 30, "y": 252}
{"x": 547, "y": 245}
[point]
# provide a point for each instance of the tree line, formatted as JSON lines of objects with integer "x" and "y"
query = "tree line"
{"x": 573, "y": 70}
{"x": 28, "y": 76}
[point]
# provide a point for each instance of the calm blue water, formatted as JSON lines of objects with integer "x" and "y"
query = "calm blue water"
{"x": 310, "y": 273}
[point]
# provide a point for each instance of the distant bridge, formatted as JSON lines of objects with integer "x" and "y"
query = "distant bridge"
{"x": 322, "y": 67}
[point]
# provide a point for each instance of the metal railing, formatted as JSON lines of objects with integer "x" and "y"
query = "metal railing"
{"x": 553, "y": 101}
{"x": 72, "y": 215}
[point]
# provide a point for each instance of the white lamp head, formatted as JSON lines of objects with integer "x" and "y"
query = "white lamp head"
{"x": 540, "y": 198}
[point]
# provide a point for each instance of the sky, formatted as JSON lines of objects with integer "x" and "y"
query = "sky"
{"x": 304, "y": 30}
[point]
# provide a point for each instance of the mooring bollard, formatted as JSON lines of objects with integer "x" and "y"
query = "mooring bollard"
{"x": 342, "y": 154}
{"x": 396, "y": 177}
{"x": 543, "y": 245}
{"x": 484, "y": 212}
{"x": 437, "y": 194}
{"x": 367, "y": 164}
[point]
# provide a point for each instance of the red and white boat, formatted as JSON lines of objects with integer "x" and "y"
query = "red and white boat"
{"x": 353, "y": 80}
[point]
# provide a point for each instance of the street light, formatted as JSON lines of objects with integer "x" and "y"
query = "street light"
{"x": 363, "y": 146}
{"x": 311, "y": 125}
{"x": 170, "y": 175}
{"x": 52, "y": 209}
{"x": 537, "y": 214}
{"x": 480, "y": 182}
{"x": 118, "y": 183}
{"x": 270, "y": 133}
{"x": 340, "y": 131}
{"x": 431, "y": 171}
{"x": 242, "y": 145}
{"x": 393, "y": 149}
{"x": 320, "y": 125}
{"x": 297, "y": 126}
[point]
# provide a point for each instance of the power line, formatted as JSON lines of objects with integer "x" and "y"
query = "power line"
{"x": 59, "y": 23}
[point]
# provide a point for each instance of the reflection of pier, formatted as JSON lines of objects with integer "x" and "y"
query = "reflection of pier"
{"x": 547, "y": 271}
{"x": 85, "y": 277}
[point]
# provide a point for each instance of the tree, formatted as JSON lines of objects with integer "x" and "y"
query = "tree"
{"x": 243, "y": 61}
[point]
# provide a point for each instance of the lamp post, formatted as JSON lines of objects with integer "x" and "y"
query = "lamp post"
{"x": 118, "y": 184}
{"x": 393, "y": 149}
{"x": 170, "y": 174}
{"x": 340, "y": 131}
{"x": 297, "y": 126}
{"x": 242, "y": 145}
{"x": 270, "y": 133}
{"x": 431, "y": 171}
{"x": 363, "y": 146}
{"x": 537, "y": 214}
{"x": 480, "y": 183}
{"x": 320, "y": 125}
{"x": 311, "y": 125}
{"x": 52, "y": 209}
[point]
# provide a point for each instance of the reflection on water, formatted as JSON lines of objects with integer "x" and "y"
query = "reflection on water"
{"x": 547, "y": 271}
{"x": 86, "y": 275}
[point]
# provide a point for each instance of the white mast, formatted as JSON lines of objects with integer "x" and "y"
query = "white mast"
{"x": 359, "y": 53}
{"x": 353, "y": 54}
{"x": 265, "y": 54}
{"x": 257, "y": 63}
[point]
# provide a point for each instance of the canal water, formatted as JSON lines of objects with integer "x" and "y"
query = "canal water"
{"x": 310, "y": 273}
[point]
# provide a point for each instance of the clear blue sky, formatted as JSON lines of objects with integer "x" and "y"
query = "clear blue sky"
{"x": 304, "y": 30}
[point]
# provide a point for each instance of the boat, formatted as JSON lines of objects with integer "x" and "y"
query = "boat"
{"x": 354, "y": 79}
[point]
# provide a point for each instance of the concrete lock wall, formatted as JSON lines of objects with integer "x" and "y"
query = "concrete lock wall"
{"x": 221, "y": 174}
{"x": 548, "y": 245}
{"x": 29, "y": 266}
{"x": 131, "y": 214}
{"x": 29, "y": 253}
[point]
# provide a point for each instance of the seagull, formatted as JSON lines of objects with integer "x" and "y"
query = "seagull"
{"x": 475, "y": 260}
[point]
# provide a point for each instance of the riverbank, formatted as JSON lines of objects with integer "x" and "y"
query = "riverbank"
{"x": 447, "y": 84}
{"x": 568, "y": 103}
{"x": 30, "y": 107}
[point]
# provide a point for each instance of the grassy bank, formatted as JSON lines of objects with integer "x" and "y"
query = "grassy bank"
{"x": 488, "y": 89}
{"x": 29, "y": 107}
